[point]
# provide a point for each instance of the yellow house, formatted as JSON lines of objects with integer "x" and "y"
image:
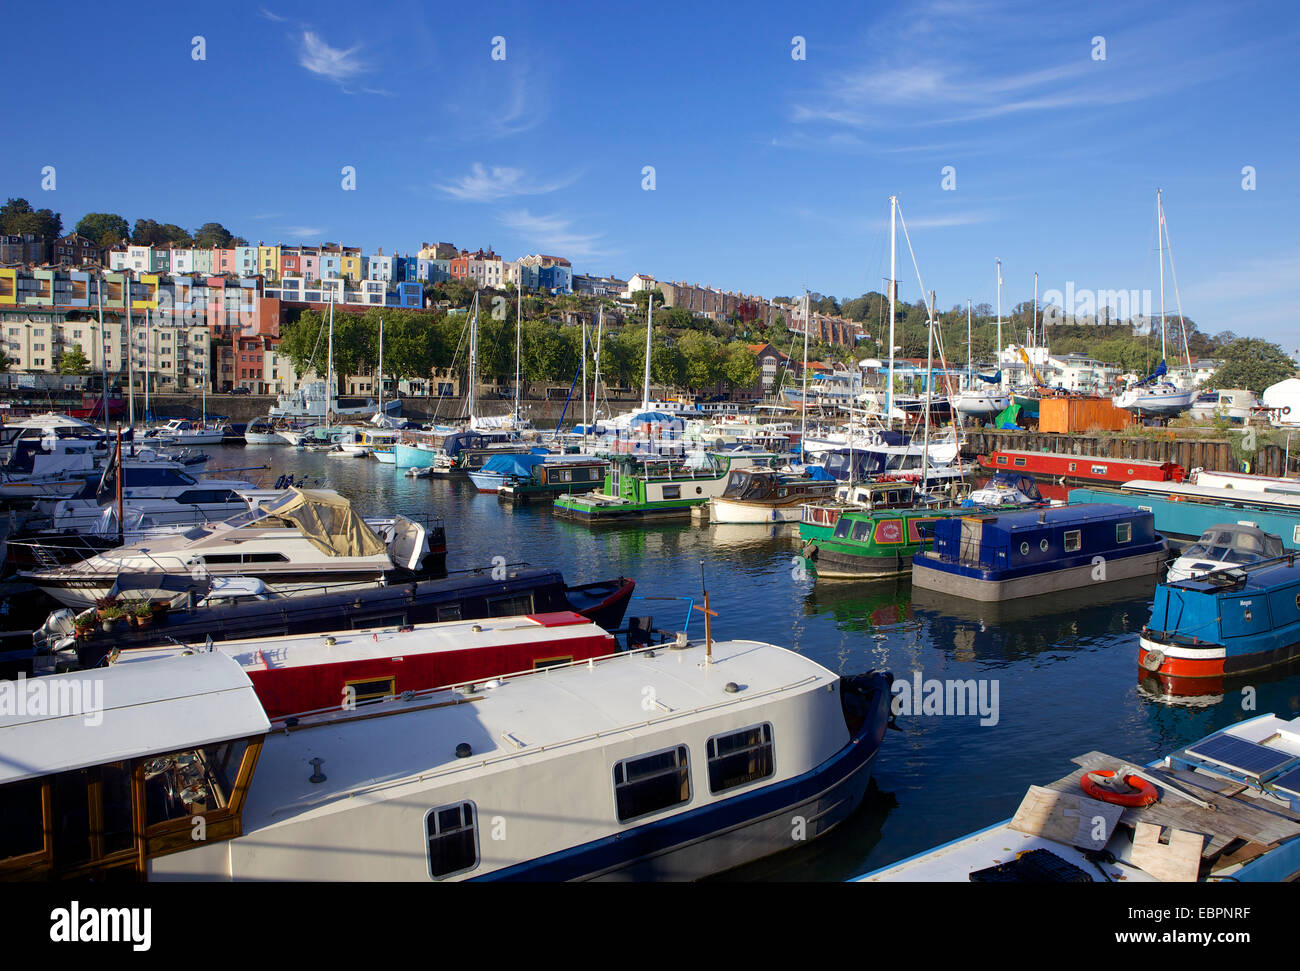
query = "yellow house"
{"x": 268, "y": 261}
{"x": 350, "y": 265}
{"x": 150, "y": 281}
{"x": 9, "y": 286}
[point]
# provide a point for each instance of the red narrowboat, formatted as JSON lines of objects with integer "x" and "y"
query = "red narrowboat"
{"x": 1063, "y": 468}
{"x": 314, "y": 672}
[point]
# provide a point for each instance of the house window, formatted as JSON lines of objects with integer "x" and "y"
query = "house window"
{"x": 740, "y": 757}
{"x": 453, "y": 839}
{"x": 1073, "y": 540}
{"x": 1123, "y": 532}
{"x": 651, "y": 783}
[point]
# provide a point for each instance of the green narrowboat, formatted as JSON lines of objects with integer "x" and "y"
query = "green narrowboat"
{"x": 866, "y": 544}
{"x": 817, "y": 519}
{"x": 637, "y": 487}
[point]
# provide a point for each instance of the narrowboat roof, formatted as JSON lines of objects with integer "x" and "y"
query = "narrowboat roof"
{"x": 1091, "y": 512}
{"x": 530, "y": 716}
{"x": 1212, "y": 493}
{"x": 176, "y": 703}
{"x": 299, "y": 650}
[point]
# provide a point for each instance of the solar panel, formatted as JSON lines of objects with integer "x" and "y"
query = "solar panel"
{"x": 1288, "y": 783}
{"x": 1240, "y": 755}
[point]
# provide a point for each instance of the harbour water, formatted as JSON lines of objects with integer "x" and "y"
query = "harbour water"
{"x": 1058, "y": 676}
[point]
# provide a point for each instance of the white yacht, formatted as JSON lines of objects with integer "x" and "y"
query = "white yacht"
{"x": 305, "y": 541}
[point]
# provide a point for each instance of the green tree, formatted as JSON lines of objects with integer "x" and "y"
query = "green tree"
{"x": 1251, "y": 363}
{"x": 105, "y": 228}
{"x": 214, "y": 236}
{"x": 18, "y": 217}
{"x": 739, "y": 366}
{"x": 74, "y": 362}
{"x": 150, "y": 233}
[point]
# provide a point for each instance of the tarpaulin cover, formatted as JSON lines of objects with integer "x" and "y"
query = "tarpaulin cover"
{"x": 328, "y": 520}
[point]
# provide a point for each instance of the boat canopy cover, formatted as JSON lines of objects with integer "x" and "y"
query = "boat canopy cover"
{"x": 818, "y": 473}
{"x": 328, "y": 520}
{"x": 995, "y": 378}
{"x": 513, "y": 464}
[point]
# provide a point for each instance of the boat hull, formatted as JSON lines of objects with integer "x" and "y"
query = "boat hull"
{"x": 929, "y": 573}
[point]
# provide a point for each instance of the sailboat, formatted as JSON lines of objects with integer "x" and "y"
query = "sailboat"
{"x": 1153, "y": 396}
{"x": 977, "y": 401}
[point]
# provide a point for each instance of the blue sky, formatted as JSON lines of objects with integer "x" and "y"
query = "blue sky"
{"x": 771, "y": 174}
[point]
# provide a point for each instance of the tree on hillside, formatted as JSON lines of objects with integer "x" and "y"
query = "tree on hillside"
{"x": 150, "y": 233}
{"x": 215, "y": 236}
{"x": 18, "y": 217}
{"x": 1254, "y": 364}
{"x": 105, "y": 228}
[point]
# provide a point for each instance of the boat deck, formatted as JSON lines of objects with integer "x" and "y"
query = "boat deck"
{"x": 1243, "y": 824}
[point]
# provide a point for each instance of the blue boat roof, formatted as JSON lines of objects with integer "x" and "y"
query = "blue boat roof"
{"x": 521, "y": 464}
{"x": 1067, "y": 515}
{"x": 1257, "y": 580}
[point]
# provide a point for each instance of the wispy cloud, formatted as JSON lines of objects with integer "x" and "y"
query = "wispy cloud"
{"x": 301, "y": 232}
{"x": 332, "y": 63}
{"x": 519, "y": 109}
{"x": 274, "y": 17}
{"x": 498, "y": 182}
{"x": 555, "y": 234}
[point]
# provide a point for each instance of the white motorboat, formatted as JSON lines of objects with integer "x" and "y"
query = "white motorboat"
{"x": 182, "y": 431}
{"x": 1223, "y": 547}
{"x": 1234, "y": 404}
{"x": 305, "y": 541}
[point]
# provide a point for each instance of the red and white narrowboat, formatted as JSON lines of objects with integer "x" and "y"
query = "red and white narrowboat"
{"x": 315, "y": 672}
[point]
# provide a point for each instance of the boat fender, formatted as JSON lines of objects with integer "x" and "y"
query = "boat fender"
{"x": 1245, "y": 468}
{"x": 1153, "y": 660}
{"x": 1104, "y": 785}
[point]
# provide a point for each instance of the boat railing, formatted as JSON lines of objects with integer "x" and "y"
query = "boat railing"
{"x": 1234, "y": 576}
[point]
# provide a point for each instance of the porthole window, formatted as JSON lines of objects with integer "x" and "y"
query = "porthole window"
{"x": 1042, "y": 545}
{"x": 1024, "y": 549}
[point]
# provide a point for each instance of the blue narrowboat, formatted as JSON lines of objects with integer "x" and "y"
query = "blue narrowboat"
{"x": 1033, "y": 552}
{"x": 1228, "y": 622}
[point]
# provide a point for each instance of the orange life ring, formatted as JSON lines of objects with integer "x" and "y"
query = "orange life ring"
{"x": 1144, "y": 795}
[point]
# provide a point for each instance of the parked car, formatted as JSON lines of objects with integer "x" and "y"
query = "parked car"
{"x": 241, "y": 391}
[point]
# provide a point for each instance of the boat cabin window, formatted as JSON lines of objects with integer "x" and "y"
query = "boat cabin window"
{"x": 1073, "y": 540}
{"x": 450, "y": 612}
{"x": 1123, "y": 532}
{"x": 651, "y": 783}
{"x": 862, "y": 530}
{"x": 218, "y": 559}
{"x": 185, "y": 784}
{"x": 363, "y": 690}
{"x": 1020, "y": 463}
{"x": 452, "y": 833}
{"x": 672, "y": 492}
{"x": 1002, "y": 460}
{"x": 82, "y": 822}
{"x": 842, "y": 528}
{"x": 509, "y": 606}
{"x": 740, "y": 757}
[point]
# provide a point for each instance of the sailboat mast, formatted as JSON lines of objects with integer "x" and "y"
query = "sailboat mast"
{"x": 1160, "y": 232}
{"x": 1036, "y": 337}
{"x": 893, "y": 298}
{"x": 929, "y": 385}
{"x": 129, "y": 348}
{"x": 998, "y": 356}
{"x": 970, "y": 358}
{"x": 803, "y": 412}
{"x": 584, "y": 376}
{"x": 381, "y": 365}
{"x": 649, "y": 325}
{"x": 595, "y": 384}
{"x": 519, "y": 329}
{"x": 103, "y": 356}
{"x": 473, "y": 361}
{"x": 329, "y": 366}
{"x": 148, "y": 326}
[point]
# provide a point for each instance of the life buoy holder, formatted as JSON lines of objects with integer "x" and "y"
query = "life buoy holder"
{"x": 1143, "y": 794}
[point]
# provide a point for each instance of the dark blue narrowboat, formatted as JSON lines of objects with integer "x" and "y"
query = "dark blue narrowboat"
{"x": 1034, "y": 552}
